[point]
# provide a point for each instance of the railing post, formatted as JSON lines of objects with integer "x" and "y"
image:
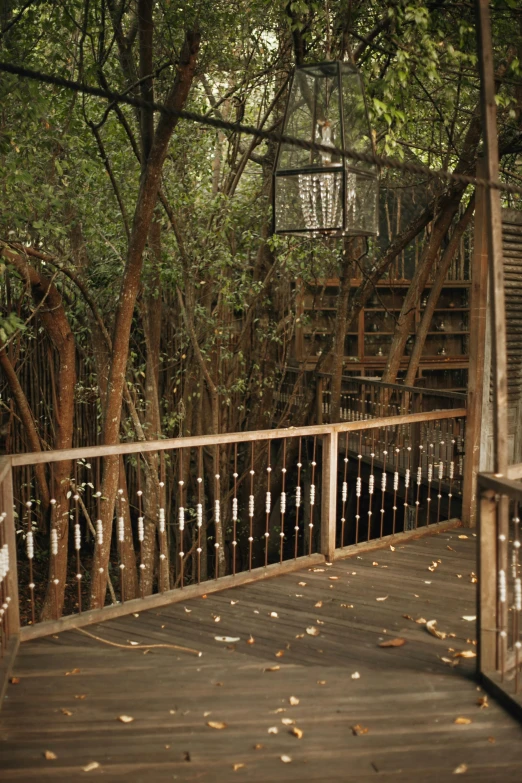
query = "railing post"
{"x": 487, "y": 583}
{"x": 329, "y": 494}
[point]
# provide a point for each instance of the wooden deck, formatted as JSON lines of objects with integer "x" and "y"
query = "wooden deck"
{"x": 406, "y": 697}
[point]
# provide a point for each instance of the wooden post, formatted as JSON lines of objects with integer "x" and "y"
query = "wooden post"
{"x": 487, "y": 583}
{"x": 477, "y": 377}
{"x": 329, "y": 495}
{"x": 494, "y": 219}
{"x": 13, "y": 612}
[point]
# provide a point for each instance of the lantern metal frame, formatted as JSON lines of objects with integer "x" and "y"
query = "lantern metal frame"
{"x": 344, "y": 167}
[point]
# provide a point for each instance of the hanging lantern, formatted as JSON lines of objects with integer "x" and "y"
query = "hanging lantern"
{"x": 321, "y": 192}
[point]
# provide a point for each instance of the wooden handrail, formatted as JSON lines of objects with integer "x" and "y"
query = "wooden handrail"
{"x": 140, "y": 447}
{"x": 501, "y": 484}
{"x": 365, "y": 380}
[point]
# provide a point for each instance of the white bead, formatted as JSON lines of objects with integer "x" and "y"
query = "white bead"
{"x": 181, "y": 518}
{"x": 217, "y": 511}
{"x": 162, "y": 520}
{"x": 283, "y": 502}
{"x": 251, "y": 506}
{"x": 199, "y": 514}
{"x": 312, "y": 494}
{"x": 141, "y": 529}
{"x": 234, "y": 509}
{"x": 30, "y": 545}
{"x": 54, "y": 542}
{"x": 268, "y": 504}
{"x": 121, "y": 529}
{"x": 371, "y": 484}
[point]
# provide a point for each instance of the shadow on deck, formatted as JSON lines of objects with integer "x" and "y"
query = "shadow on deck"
{"x": 72, "y": 688}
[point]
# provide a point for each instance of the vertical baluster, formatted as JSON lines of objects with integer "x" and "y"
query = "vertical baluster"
{"x": 298, "y": 492}
{"x": 419, "y": 482}
{"x": 282, "y": 503}
{"x": 234, "y": 513}
{"x": 395, "y": 488}
{"x": 120, "y": 533}
{"x": 54, "y": 542}
{"x": 384, "y": 478}
{"x": 217, "y": 513}
{"x": 430, "y": 479}
{"x": 251, "y": 509}
{"x": 358, "y": 487}
{"x": 407, "y": 479}
{"x": 141, "y": 525}
{"x": 451, "y": 475}
{"x": 312, "y": 498}
{"x": 344, "y": 493}
{"x": 199, "y": 510}
{"x": 162, "y": 524}
{"x": 268, "y": 501}
{"x": 371, "y": 486}
{"x": 29, "y": 545}
{"x": 181, "y": 520}
{"x": 440, "y": 469}
{"x": 77, "y": 533}
{"x": 517, "y": 595}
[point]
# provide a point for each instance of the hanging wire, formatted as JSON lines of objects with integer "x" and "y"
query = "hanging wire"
{"x": 382, "y": 161}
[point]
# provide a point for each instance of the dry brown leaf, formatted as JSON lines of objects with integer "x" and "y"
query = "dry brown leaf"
{"x": 287, "y": 721}
{"x": 462, "y": 537}
{"x": 258, "y": 746}
{"x": 462, "y": 721}
{"x": 398, "y": 642}
{"x": 90, "y": 766}
{"x": 408, "y": 617}
{"x": 469, "y": 617}
{"x": 280, "y": 709}
{"x": 312, "y": 630}
{"x": 49, "y": 755}
{"x": 431, "y": 627}
{"x": 375, "y": 563}
{"x": 384, "y": 597}
{"x": 462, "y": 767}
{"x": 449, "y": 661}
{"x": 300, "y": 636}
{"x": 333, "y": 578}
{"x": 279, "y": 653}
{"x": 186, "y": 754}
{"x": 346, "y": 606}
{"x": 320, "y": 622}
{"x": 74, "y": 671}
{"x": 421, "y": 621}
{"x": 450, "y": 548}
{"x": 81, "y": 696}
{"x": 491, "y": 739}
{"x": 188, "y": 611}
{"x": 465, "y": 654}
{"x": 286, "y": 759}
{"x": 356, "y": 676}
{"x": 294, "y": 701}
{"x": 271, "y": 668}
{"x": 318, "y": 604}
{"x": 227, "y": 639}
{"x": 483, "y": 702}
{"x": 216, "y": 724}
{"x": 218, "y": 684}
{"x": 357, "y": 730}
{"x": 273, "y": 730}
{"x": 302, "y": 584}
{"x": 233, "y": 603}
{"x": 251, "y": 640}
{"x": 14, "y": 680}
{"x": 125, "y": 718}
{"x": 321, "y": 682}
{"x": 66, "y": 712}
{"x": 217, "y": 619}
{"x": 297, "y": 732}
{"x": 392, "y": 548}
{"x": 274, "y": 614}
{"x": 237, "y": 766}
{"x": 317, "y": 570}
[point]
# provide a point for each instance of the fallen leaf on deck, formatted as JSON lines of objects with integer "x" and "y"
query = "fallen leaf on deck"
{"x": 408, "y": 617}
{"x": 358, "y": 730}
{"x": 333, "y": 578}
{"x": 483, "y": 702}
{"x": 384, "y": 597}
{"x": 280, "y": 709}
{"x": 300, "y": 636}
{"x": 50, "y": 756}
{"x": 216, "y": 724}
{"x": 134, "y": 644}
{"x": 320, "y": 622}
{"x": 318, "y": 604}
{"x": 273, "y": 730}
{"x": 74, "y": 671}
{"x": 375, "y": 563}
{"x": 134, "y": 614}
{"x": 81, "y": 696}
{"x": 90, "y": 766}
{"x": 392, "y": 548}
{"x": 491, "y": 739}
{"x": 258, "y": 746}
{"x": 125, "y": 718}
{"x": 302, "y": 584}
{"x": 217, "y": 619}
{"x": 287, "y": 721}
{"x": 66, "y": 712}
{"x": 427, "y": 583}
{"x": 271, "y": 669}
{"x": 459, "y": 576}
{"x": 450, "y": 548}
{"x": 233, "y": 603}
{"x": 321, "y": 682}
{"x": 356, "y": 676}
{"x": 465, "y": 654}
{"x": 237, "y": 766}
{"x": 317, "y": 570}
{"x": 274, "y": 614}
{"x": 462, "y": 721}
{"x": 15, "y": 680}
{"x": 205, "y": 714}
{"x": 462, "y": 767}
{"x": 188, "y": 611}
{"x": 431, "y": 627}
{"x": 186, "y": 754}
{"x": 227, "y": 639}
{"x": 393, "y": 642}
{"x": 173, "y": 712}
{"x": 204, "y": 596}
{"x": 279, "y": 653}
{"x": 469, "y": 617}
{"x": 286, "y": 759}
{"x": 449, "y": 661}
{"x": 218, "y": 684}
{"x": 294, "y": 701}
{"x": 462, "y": 537}
{"x": 251, "y": 640}
{"x": 347, "y": 606}
{"x": 297, "y": 732}
{"x": 312, "y": 630}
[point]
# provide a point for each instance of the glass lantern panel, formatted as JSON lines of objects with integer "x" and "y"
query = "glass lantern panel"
{"x": 356, "y": 126}
{"x": 309, "y": 202}
{"x": 361, "y": 201}
{"x": 313, "y": 115}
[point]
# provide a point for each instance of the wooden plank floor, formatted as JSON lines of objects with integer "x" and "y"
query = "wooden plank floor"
{"x": 406, "y": 697}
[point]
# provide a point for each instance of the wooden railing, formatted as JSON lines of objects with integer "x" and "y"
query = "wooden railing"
{"x": 499, "y": 626}
{"x": 282, "y": 499}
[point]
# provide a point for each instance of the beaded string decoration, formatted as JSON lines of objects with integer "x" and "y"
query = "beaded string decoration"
{"x": 99, "y": 523}
{"x": 268, "y": 502}
{"x": 141, "y": 526}
{"x": 54, "y": 543}
{"x": 384, "y": 478}
{"x": 298, "y": 493}
{"x": 217, "y": 514}
{"x": 517, "y": 593}
{"x": 344, "y": 491}
{"x": 234, "y": 513}
{"x": 251, "y": 509}
{"x": 162, "y": 524}
{"x": 440, "y": 469}
{"x": 451, "y": 472}
{"x": 407, "y": 480}
{"x": 282, "y": 506}
{"x": 181, "y": 520}
{"x": 199, "y": 511}
{"x": 358, "y": 487}
{"x": 395, "y": 488}
{"x": 430, "y": 479}
{"x": 29, "y": 545}
{"x": 419, "y": 482}
{"x": 371, "y": 486}
{"x": 312, "y": 498}
{"x": 120, "y": 533}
